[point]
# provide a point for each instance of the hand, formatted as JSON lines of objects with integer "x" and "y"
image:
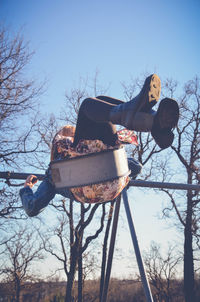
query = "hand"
{"x": 30, "y": 181}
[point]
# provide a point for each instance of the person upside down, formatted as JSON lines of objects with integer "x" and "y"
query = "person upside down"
{"x": 96, "y": 131}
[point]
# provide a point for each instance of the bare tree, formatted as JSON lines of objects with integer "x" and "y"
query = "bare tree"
{"x": 181, "y": 162}
{"x": 18, "y": 113}
{"x": 73, "y": 240}
{"x": 17, "y": 99}
{"x": 187, "y": 151}
{"x": 19, "y": 255}
{"x": 162, "y": 271}
{"x": 75, "y": 96}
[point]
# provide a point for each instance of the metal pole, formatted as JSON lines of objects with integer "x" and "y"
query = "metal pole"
{"x": 132, "y": 183}
{"x": 111, "y": 250}
{"x": 144, "y": 279}
{"x": 163, "y": 185}
{"x": 13, "y": 175}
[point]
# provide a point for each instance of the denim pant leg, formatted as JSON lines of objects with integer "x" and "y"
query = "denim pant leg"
{"x": 93, "y": 122}
{"x": 34, "y": 203}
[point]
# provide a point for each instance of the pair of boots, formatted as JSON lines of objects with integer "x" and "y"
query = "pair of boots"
{"x": 138, "y": 115}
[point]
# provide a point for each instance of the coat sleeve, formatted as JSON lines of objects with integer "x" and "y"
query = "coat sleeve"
{"x": 34, "y": 203}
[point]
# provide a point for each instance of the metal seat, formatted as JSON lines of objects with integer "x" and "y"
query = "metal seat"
{"x": 90, "y": 169}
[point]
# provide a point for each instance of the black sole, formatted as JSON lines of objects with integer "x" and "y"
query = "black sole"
{"x": 168, "y": 113}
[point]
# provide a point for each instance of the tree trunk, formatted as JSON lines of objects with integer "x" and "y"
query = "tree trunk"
{"x": 80, "y": 259}
{"x": 71, "y": 275}
{"x": 17, "y": 288}
{"x": 188, "y": 254}
{"x": 80, "y": 278}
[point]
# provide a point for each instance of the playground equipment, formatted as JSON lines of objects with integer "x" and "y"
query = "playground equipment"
{"x": 90, "y": 169}
{"x": 113, "y": 164}
{"x": 137, "y": 183}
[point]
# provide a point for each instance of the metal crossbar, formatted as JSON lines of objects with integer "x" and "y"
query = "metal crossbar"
{"x": 18, "y": 176}
{"x": 132, "y": 183}
{"x": 164, "y": 185}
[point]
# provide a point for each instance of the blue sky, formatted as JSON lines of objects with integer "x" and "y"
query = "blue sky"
{"x": 119, "y": 38}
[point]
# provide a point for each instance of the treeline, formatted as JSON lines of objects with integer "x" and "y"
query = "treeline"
{"x": 119, "y": 291}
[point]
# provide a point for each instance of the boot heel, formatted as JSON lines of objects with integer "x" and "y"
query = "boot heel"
{"x": 165, "y": 120}
{"x": 168, "y": 113}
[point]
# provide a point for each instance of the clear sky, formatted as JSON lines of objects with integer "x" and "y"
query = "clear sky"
{"x": 119, "y": 38}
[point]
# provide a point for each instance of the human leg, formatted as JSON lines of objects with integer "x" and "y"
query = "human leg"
{"x": 97, "y": 115}
{"x": 160, "y": 122}
{"x": 107, "y": 109}
{"x": 93, "y": 121}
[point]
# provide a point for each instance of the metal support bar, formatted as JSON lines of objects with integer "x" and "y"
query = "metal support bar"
{"x": 13, "y": 175}
{"x": 111, "y": 250}
{"x": 132, "y": 183}
{"x": 163, "y": 185}
{"x": 144, "y": 279}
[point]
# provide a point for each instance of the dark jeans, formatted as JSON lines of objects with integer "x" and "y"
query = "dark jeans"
{"x": 93, "y": 120}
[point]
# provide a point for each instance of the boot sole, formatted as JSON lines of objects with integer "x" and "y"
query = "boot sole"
{"x": 168, "y": 113}
{"x": 150, "y": 92}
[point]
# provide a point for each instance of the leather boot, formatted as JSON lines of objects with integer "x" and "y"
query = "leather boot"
{"x": 124, "y": 114}
{"x": 143, "y": 121}
{"x": 166, "y": 118}
{"x": 160, "y": 123}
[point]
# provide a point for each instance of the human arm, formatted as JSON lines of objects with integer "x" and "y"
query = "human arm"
{"x": 34, "y": 203}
